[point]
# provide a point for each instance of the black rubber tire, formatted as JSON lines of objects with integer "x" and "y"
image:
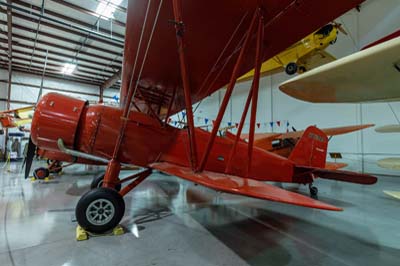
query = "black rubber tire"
{"x": 41, "y": 173}
{"x": 291, "y": 68}
{"x": 107, "y": 194}
{"x": 314, "y": 192}
{"x": 97, "y": 182}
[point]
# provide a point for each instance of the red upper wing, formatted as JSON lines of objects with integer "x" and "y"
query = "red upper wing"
{"x": 209, "y": 25}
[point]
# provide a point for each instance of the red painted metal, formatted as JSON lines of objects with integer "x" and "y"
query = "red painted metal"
{"x": 210, "y": 25}
{"x": 255, "y": 85}
{"x": 171, "y": 102}
{"x": 140, "y": 177}
{"x": 66, "y": 111}
{"x": 180, "y": 32}
{"x": 141, "y": 140}
{"x": 239, "y": 132}
{"x": 147, "y": 142}
{"x": 228, "y": 94}
{"x": 243, "y": 186}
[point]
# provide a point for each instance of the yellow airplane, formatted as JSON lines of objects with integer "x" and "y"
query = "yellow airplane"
{"x": 17, "y": 117}
{"x": 303, "y": 55}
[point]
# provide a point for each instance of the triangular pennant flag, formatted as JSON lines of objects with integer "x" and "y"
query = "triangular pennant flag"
{"x": 278, "y": 123}
{"x": 229, "y": 124}
{"x": 175, "y": 122}
{"x": 206, "y": 121}
{"x": 236, "y": 125}
{"x": 169, "y": 120}
{"x": 271, "y": 124}
{"x": 258, "y": 125}
{"x": 287, "y": 124}
{"x": 183, "y": 114}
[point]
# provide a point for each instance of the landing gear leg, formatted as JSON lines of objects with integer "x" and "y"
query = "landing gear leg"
{"x": 313, "y": 191}
{"x": 101, "y": 209}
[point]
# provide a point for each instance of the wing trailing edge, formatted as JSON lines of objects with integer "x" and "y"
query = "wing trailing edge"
{"x": 242, "y": 186}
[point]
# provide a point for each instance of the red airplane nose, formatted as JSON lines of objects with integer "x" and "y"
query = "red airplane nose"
{"x": 56, "y": 116}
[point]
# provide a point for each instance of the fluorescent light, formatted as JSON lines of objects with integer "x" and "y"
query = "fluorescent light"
{"x": 68, "y": 68}
{"x": 106, "y": 8}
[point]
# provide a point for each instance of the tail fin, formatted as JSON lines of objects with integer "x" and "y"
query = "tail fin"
{"x": 311, "y": 149}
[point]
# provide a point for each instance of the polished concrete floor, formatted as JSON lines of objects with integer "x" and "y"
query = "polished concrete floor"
{"x": 172, "y": 222}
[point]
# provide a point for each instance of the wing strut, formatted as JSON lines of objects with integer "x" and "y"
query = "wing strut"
{"x": 180, "y": 31}
{"x": 228, "y": 94}
{"x": 255, "y": 85}
{"x": 253, "y": 98}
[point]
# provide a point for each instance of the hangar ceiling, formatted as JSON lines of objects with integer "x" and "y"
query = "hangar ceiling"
{"x": 74, "y": 40}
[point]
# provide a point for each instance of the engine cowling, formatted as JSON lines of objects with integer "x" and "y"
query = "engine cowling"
{"x": 56, "y": 116}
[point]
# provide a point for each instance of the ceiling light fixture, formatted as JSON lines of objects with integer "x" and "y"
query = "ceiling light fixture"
{"x": 106, "y": 8}
{"x": 68, "y": 68}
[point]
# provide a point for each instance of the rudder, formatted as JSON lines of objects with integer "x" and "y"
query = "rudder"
{"x": 311, "y": 149}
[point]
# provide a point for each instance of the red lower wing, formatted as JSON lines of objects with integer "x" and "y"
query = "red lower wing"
{"x": 242, "y": 186}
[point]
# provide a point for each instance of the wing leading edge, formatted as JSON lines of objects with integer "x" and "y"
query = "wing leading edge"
{"x": 242, "y": 186}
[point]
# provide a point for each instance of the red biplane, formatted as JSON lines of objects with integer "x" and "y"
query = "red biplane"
{"x": 177, "y": 53}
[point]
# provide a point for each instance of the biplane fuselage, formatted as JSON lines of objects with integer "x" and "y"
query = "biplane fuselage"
{"x": 93, "y": 129}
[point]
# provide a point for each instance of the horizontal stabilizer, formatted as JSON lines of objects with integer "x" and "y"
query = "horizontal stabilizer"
{"x": 242, "y": 186}
{"x": 339, "y": 175}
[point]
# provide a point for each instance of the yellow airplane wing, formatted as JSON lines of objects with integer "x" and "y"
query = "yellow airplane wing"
{"x": 305, "y": 54}
{"x": 21, "y": 122}
{"x": 269, "y": 67}
{"x": 316, "y": 59}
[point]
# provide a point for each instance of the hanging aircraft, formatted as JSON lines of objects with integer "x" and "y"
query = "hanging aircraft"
{"x": 16, "y": 117}
{"x": 174, "y": 58}
{"x": 349, "y": 79}
{"x": 304, "y": 55}
{"x": 284, "y": 143}
{"x": 392, "y": 163}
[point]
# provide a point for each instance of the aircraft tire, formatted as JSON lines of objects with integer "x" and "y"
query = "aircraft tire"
{"x": 314, "y": 192}
{"x": 291, "y": 68}
{"x": 100, "y": 210}
{"x": 97, "y": 182}
{"x": 41, "y": 173}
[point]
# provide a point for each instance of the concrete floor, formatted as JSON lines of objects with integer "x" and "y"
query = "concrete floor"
{"x": 173, "y": 222}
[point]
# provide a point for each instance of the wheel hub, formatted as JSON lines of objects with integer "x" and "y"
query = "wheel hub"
{"x": 100, "y": 212}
